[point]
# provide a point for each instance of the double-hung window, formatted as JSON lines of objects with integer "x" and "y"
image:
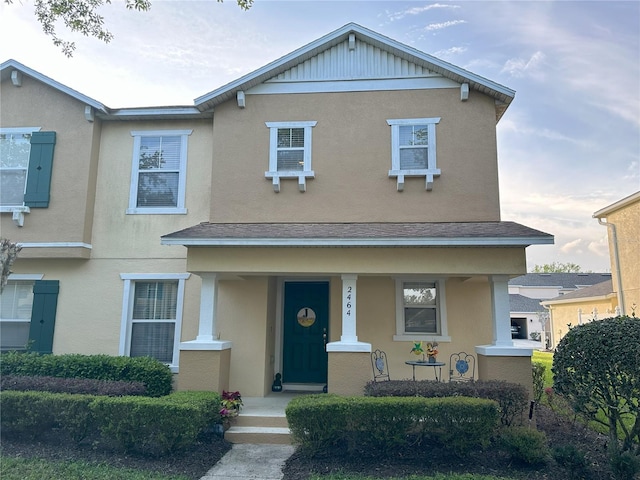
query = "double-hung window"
{"x": 159, "y": 170}
{"x": 413, "y": 150}
{"x": 152, "y": 316}
{"x": 420, "y": 309}
{"x": 16, "y": 302}
{"x": 26, "y": 159}
{"x": 290, "y": 152}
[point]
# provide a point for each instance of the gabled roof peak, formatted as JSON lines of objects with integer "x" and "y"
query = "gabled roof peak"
{"x": 502, "y": 95}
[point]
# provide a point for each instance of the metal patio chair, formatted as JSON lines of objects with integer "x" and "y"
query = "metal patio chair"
{"x": 380, "y": 366}
{"x": 462, "y": 367}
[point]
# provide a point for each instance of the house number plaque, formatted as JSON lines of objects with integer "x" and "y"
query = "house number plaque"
{"x": 306, "y": 317}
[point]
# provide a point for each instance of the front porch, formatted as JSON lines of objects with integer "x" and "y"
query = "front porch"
{"x": 262, "y": 420}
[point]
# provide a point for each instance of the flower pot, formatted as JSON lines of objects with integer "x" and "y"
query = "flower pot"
{"x": 432, "y": 359}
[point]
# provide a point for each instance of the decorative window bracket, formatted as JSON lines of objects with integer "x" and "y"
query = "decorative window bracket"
{"x": 18, "y": 215}
{"x": 301, "y": 176}
{"x": 428, "y": 174}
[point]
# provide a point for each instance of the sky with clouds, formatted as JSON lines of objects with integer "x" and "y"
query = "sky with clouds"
{"x": 568, "y": 145}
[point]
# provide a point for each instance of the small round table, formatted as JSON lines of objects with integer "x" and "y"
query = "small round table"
{"x": 417, "y": 363}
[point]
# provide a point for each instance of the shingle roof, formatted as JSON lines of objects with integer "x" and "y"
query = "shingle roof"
{"x": 520, "y": 303}
{"x": 598, "y": 290}
{"x": 359, "y": 234}
{"x": 564, "y": 280}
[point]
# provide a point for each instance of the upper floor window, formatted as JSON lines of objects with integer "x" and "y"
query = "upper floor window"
{"x": 420, "y": 310}
{"x": 159, "y": 170}
{"x": 413, "y": 149}
{"x": 290, "y": 152}
{"x": 26, "y": 160}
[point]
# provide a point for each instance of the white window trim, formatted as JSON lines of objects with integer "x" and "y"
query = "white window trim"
{"x": 18, "y": 210}
{"x": 428, "y": 173}
{"x": 127, "y": 308}
{"x": 441, "y": 305}
{"x": 179, "y": 209}
{"x": 22, "y": 277}
{"x": 273, "y": 172}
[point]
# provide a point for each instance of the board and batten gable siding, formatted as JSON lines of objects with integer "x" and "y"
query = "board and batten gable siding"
{"x": 351, "y": 158}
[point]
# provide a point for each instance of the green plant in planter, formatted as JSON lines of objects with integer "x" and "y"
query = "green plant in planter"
{"x": 230, "y": 406}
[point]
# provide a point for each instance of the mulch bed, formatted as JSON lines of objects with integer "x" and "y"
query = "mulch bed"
{"x": 198, "y": 459}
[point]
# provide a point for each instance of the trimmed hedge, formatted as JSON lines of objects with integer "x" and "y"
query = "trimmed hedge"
{"x": 329, "y": 424}
{"x": 155, "y": 375}
{"x": 152, "y": 426}
{"x": 512, "y": 398}
{"x": 88, "y": 386}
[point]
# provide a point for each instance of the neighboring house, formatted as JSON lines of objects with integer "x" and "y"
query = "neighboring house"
{"x": 582, "y": 306}
{"x": 529, "y": 319}
{"x": 345, "y": 199}
{"x": 620, "y": 295}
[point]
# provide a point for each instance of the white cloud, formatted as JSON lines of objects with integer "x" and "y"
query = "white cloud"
{"x": 440, "y": 26}
{"x": 418, "y": 10}
{"x": 450, "y": 52}
{"x": 517, "y": 67}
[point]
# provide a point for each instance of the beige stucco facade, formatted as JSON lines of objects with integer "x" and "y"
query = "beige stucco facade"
{"x": 69, "y": 217}
{"x": 623, "y": 228}
{"x": 231, "y": 310}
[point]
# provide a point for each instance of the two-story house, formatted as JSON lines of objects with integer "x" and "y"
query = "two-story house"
{"x": 341, "y": 199}
{"x": 620, "y": 295}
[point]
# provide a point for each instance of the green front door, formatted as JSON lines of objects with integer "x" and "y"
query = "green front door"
{"x": 306, "y": 321}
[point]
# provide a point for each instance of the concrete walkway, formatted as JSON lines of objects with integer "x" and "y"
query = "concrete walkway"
{"x": 251, "y": 462}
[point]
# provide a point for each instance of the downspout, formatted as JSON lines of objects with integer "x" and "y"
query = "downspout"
{"x": 616, "y": 259}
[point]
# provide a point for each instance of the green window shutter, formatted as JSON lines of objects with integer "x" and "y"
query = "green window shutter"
{"x": 40, "y": 166}
{"x": 43, "y": 315}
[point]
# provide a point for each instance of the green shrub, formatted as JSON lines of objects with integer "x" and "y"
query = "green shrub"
{"x": 89, "y": 386}
{"x": 524, "y": 444}
{"x": 538, "y": 370}
{"x": 26, "y": 414}
{"x": 625, "y": 466}
{"x": 153, "y": 426}
{"x": 572, "y": 459}
{"x": 512, "y": 398}
{"x": 595, "y": 369}
{"x": 155, "y": 375}
{"x": 375, "y": 426}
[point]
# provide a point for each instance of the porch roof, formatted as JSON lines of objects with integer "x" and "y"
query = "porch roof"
{"x": 377, "y": 234}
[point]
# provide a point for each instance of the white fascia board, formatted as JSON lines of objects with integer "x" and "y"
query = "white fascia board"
{"x": 593, "y": 298}
{"x": 360, "y": 242}
{"x": 154, "y": 111}
{"x": 414, "y": 83}
{"x": 56, "y": 245}
{"x": 617, "y": 205}
{"x": 54, "y": 84}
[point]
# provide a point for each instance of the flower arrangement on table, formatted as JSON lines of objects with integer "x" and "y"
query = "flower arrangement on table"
{"x": 430, "y": 350}
{"x": 230, "y": 406}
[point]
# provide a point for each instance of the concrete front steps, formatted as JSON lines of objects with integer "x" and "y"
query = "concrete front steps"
{"x": 260, "y": 429}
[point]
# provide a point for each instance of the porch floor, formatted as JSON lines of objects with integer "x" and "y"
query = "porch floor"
{"x": 273, "y": 405}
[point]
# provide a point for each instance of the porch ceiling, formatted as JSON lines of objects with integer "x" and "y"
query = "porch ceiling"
{"x": 442, "y": 234}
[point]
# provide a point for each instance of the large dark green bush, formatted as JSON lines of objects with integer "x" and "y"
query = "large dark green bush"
{"x": 512, "y": 398}
{"x": 329, "y": 424}
{"x": 596, "y": 368}
{"x": 155, "y": 375}
{"x": 152, "y": 426}
{"x": 88, "y": 386}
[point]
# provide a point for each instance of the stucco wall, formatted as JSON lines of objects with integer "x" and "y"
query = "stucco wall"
{"x": 69, "y": 216}
{"x": 627, "y": 222}
{"x": 352, "y": 157}
{"x": 563, "y": 314}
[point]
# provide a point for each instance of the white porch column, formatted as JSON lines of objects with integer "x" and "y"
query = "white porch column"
{"x": 502, "y": 343}
{"x": 207, "y": 330}
{"x": 500, "y": 310}
{"x": 349, "y": 340}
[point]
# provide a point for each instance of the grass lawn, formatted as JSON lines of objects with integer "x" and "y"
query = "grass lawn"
{"x": 37, "y": 469}
{"x": 545, "y": 358}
